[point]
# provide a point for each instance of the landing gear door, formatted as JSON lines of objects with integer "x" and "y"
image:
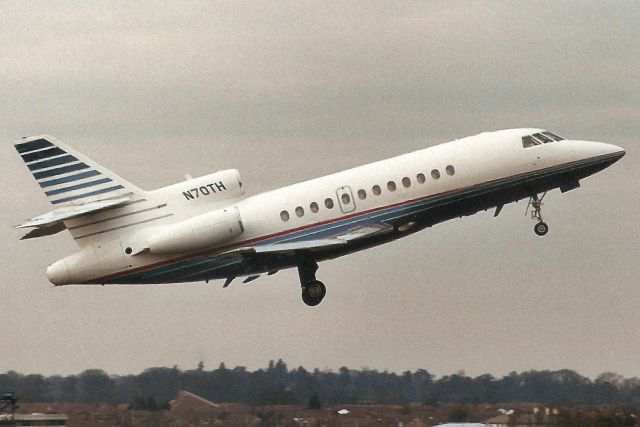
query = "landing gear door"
{"x": 345, "y": 199}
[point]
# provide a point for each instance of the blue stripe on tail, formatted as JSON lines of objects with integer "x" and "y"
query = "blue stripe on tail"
{"x": 77, "y": 186}
{"x": 38, "y": 144}
{"x": 60, "y": 171}
{"x": 43, "y": 154}
{"x": 69, "y": 178}
{"x": 92, "y": 193}
{"x": 53, "y": 162}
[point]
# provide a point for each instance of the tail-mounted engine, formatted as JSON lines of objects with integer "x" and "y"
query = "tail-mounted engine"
{"x": 198, "y": 233}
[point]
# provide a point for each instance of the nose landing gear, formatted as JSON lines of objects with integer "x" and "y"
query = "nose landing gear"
{"x": 313, "y": 290}
{"x": 541, "y": 228}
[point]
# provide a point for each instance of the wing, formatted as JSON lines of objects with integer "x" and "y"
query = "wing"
{"x": 313, "y": 245}
{"x": 262, "y": 254}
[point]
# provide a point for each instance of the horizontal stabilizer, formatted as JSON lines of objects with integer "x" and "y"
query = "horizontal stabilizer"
{"x": 45, "y": 231}
{"x": 55, "y": 217}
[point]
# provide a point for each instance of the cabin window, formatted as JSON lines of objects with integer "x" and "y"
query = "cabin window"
{"x": 435, "y": 174}
{"x": 376, "y": 190}
{"x": 420, "y": 177}
{"x": 553, "y": 136}
{"x": 529, "y": 141}
{"x": 328, "y": 202}
{"x": 346, "y": 199}
{"x": 284, "y": 215}
{"x": 406, "y": 182}
{"x": 450, "y": 170}
{"x": 314, "y": 207}
{"x": 539, "y": 138}
{"x": 362, "y": 194}
{"x": 542, "y": 138}
{"x": 391, "y": 186}
{"x": 299, "y": 211}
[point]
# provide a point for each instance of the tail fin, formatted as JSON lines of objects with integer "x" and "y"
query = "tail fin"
{"x": 66, "y": 176}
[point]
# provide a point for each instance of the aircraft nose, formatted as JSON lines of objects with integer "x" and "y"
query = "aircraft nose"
{"x": 58, "y": 273}
{"x": 614, "y": 150}
{"x": 610, "y": 151}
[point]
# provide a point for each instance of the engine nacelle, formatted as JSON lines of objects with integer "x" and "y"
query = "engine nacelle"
{"x": 198, "y": 233}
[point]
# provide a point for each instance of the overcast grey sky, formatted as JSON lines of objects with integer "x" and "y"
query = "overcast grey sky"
{"x": 286, "y": 91}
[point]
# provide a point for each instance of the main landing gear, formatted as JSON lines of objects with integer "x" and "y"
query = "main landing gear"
{"x": 541, "y": 228}
{"x": 313, "y": 290}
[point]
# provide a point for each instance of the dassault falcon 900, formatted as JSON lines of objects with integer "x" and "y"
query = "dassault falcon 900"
{"x": 206, "y": 228}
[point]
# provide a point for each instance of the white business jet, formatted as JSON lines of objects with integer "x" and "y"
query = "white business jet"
{"x": 205, "y": 228}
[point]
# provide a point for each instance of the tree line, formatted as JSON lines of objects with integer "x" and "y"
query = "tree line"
{"x": 276, "y": 384}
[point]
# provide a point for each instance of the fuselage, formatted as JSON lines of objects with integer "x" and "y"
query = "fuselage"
{"x": 407, "y": 193}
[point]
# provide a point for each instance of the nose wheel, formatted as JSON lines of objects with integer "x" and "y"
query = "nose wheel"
{"x": 541, "y": 228}
{"x": 535, "y": 203}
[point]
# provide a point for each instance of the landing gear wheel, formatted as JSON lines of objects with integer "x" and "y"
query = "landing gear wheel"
{"x": 313, "y": 293}
{"x": 541, "y": 228}
{"x": 535, "y": 203}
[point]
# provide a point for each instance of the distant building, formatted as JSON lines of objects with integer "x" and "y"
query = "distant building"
{"x": 190, "y": 409}
{"x": 499, "y": 421}
{"x": 193, "y": 407}
{"x": 34, "y": 420}
{"x": 8, "y": 417}
{"x": 190, "y": 401}
{"x": 461, "y": 425}
{"x": 535, "y": 419}
{"x": 416, "y": 422}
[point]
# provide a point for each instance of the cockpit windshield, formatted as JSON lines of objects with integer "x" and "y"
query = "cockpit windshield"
{"x": 543, "y": 137}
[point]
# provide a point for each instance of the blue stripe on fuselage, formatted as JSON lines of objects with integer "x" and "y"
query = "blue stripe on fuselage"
{"x": 177, "y": 270}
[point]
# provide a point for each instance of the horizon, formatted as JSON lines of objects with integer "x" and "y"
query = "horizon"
{"x": 289, "y": 91}
{"x": 460, "y": 372}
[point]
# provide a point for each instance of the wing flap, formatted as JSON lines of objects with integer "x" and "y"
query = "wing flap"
{"x": 365, "y": 231}
{"x": 339, "y": 239}
{"x": 297, "y": 246}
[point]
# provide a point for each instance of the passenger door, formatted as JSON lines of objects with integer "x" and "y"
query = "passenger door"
{"x": 345, "y": 199}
